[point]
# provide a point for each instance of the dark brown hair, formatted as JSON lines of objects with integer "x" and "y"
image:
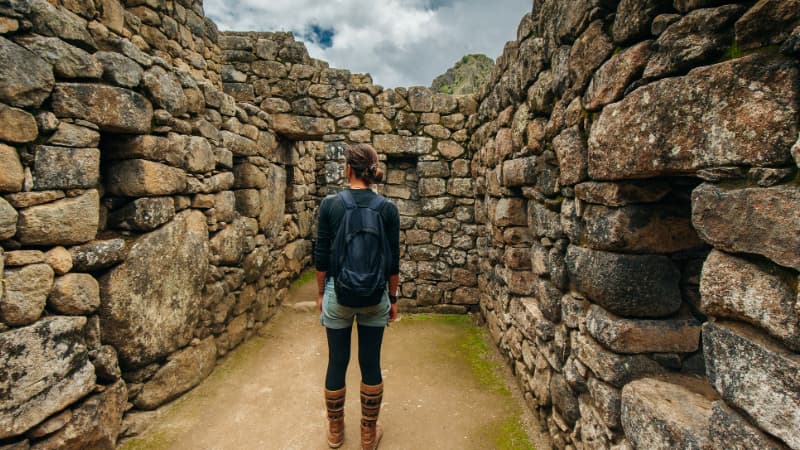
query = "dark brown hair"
{"x": 364, "y": 161}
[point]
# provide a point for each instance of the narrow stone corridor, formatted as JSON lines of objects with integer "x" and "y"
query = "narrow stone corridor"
{"x": 446, "y": 388}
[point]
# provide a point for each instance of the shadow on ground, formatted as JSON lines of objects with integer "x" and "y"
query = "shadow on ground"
{"x": 445, "y": 389}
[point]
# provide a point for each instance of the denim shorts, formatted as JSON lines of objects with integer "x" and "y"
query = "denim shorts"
{"x": 338, "y": 316}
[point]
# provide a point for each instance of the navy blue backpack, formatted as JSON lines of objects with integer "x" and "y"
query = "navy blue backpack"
{"x": 360, "y": 257}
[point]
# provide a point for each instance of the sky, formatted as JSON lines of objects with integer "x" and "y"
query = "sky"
{"x": 398, "y": 42}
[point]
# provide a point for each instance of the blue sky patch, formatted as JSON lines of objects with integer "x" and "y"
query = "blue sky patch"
{"x": 320, "y": 36}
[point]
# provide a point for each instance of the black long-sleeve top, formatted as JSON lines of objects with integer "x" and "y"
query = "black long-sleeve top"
{"x": 331, "y": 213}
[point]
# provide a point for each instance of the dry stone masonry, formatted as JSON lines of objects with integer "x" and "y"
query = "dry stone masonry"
{"x": 619, "y": 202}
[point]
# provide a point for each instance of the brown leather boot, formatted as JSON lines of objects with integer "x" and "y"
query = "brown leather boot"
{"x": 371, "y": 432}
{"x": 334, "y": 403}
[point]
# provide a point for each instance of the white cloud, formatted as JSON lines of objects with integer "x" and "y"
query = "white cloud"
{"x": 399, "y": 42}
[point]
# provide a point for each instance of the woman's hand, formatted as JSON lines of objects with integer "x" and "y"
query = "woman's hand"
{"x": 319, "y": 301}
{"x": 393, "y": 312}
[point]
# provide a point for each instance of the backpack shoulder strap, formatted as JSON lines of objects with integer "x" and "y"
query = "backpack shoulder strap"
{"x": 347, "y": 199}
{"x": 376, "y": 204}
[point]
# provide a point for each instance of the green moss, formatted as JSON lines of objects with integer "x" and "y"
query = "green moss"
{"x": 154, "y": 441}
{"x": 511, "y": 435}
{"x": 305, "y": 277}
{"x": 733, "y": 52}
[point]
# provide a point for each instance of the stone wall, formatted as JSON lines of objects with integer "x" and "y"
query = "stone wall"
{"x": 620, "y": 203}
{"x": 420, "y": 138}
{"x": 638, "y": 206}
{"x": 149, "y": 222}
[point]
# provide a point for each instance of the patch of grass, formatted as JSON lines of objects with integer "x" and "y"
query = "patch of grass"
{"x": 511, "y": 435}
{"x": 473, "y": 347}
{"x": 305, "y": 277}
{"x": 154, "y": 441}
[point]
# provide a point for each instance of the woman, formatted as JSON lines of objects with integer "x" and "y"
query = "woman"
{"x": 361, "y": 172}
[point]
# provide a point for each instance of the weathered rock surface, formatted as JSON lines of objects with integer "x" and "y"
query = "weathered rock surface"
{"x": 25, "y": 293}
{"x": 615, "y": 75}
{"x": 768, "y": 22}
{"x": 27, "y": 78}
{"x": 16, "y": 125}
{"x": 119, "y": 69}
{"x": 755, "y": 375}
{"x": 392, "y": 144}
{"x": 628, "y": 285}
{"x": 697, "y": 36}
{"x": 165, "y": 89}
{"x": 111, "y": 108}
{"x": 44, "y": 368}
{"x": 143, "y": 214}
{"x": 98, "y": 255}
{"x": 185, "y": 370}
{"x": 8, "y": 220}
{"x": 228, "y": 246}
{"x": 764, "y": 221}
{"x": 63, "y": 222}
{"x": 614, "y": 369}
{"x": 142, "y": 178}
{"x": 736, "y": 288}
{"x": 11, "y": 174}
{"x": 621, "y": 194}
{"x": 66, "y": 168}
{"x": 95, "y": 423}
{"x": 652, "y": 228}
{"x": 643, "y": 336}
{"x": 68, "y": 61}
{"x": 634, "y": 17}
{"x": 149, "y": 304}
{"x": 74, "y": 294}
{"x": 729, "y": 430}
{"x": 273, "y": 201}
{"x": 71, "y": 135}
{"x": 301, "y": 127}
{"x": 704, "y": 119}
{"x": 667, "y": 413}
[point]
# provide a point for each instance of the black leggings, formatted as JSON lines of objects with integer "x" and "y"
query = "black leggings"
{"x": 369, "y": 355}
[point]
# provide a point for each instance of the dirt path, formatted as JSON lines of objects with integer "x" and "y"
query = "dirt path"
{"x": 444, "y": 390}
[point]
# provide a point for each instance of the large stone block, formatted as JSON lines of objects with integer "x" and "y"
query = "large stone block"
{"x": 621, "y": 194}
{"x": 730, "y": 431}
{"x": 66, "y": 168}
{"x": 239, "y": 145}
{"x": 98, "y": 255}
{"x": 633, "y": 18}
{"x": 43, "y": 369}
{"x": 519, "y": 172}
{"x": 149, "y": 305}
{"x": 185, "y": 370}
{"x": 154, "y": 148}
{"x": 141, "y": 178}
{"x": 652, "y": 228}
{"x": 227, "y": 247}
{"x": 768, "y": 22}
{"x": 764, "y": 221}
{"x": 643, "y": 336}
{"x": 64, "y": 222}
{"x": 71, "y": 135}
{"x": 27, "y": 78}
{"x": 17, "y": 125}
{"x": 392, "y": 144}
{"x": 610, "y": 367}
{"x": 96, "y": 423}
{"x": 663, "y": 127}
{"x": 68, "y": 61}
{"x": 273, "y": 202}
{"x": 667, "y": 413}
{"x": 700, "y": 35}
{"x": 612, "y": 78}
{"x": 143, "y": 214}
{"x": 755, "y": 375}
{"x": 570, "y": 148}
{"x": 628, "y": 285}
{"x": 8, "y": 220}
{"x": 74, "y": 294}
{"x": 11, "y": 174}
{"x": 49, "y": 20}
{"x": 113, "y": 109}
{"x": 510, "y": 212}
{"x": 736, "y": 288}
{"x": 301, "y": 127}
{"x": 25, "y": 293}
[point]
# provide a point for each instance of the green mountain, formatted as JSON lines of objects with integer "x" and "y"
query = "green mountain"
{"x": 465, "y": 77}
